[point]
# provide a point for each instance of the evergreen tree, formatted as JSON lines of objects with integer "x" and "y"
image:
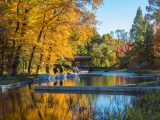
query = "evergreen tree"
{"x": 148, "y": 44}
{"x": 137, "y": 33}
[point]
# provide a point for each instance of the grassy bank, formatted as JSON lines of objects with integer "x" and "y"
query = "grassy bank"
{"x": 6, "y": 79}
{"x": 143, "y": 71}
{"x": 140, "y": 71}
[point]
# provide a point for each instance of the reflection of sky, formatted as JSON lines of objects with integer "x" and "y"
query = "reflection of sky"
{"x": 114, "y": 103}
{"x": 115, "y": 73}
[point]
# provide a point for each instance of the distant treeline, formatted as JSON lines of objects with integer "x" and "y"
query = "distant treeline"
{"x": 138, "y": 49}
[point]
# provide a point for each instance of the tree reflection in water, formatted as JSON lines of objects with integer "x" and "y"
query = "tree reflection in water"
{"x": 25, "y": 104}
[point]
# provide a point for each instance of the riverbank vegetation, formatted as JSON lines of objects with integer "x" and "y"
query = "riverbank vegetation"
{"x": 34, "y": 35}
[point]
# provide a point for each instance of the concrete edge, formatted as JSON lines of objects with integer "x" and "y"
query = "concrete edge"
{"x": 15, "y": 85}
{"x": 95, "y": 89}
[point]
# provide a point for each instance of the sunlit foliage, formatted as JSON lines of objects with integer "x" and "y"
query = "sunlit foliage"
{"x": 35, "y": 33}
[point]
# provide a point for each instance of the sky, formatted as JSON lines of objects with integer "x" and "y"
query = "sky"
{"x": 118, "y": 14}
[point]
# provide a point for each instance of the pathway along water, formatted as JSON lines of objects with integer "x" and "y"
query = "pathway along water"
{"x": 96, "y": 89}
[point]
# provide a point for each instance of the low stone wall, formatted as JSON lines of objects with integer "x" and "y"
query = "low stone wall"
{"x": 15, "y": 85}
{"x": 95, "y": 89}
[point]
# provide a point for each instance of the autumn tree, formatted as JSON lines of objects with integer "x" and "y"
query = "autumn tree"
{"x": 156, "y": 44}
{"x": 34, "y": 34}
{"x": 153, "y": 9}
{"x": 154, "y": 14}
{"x": 69, "y": 19}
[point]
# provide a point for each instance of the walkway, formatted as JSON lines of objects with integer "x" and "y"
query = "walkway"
{"x": 95, "y": 89}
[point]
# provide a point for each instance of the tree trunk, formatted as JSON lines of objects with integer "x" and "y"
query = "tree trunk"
{"x": 18, "y": 51}
{"x": 2, "y": 52}
{"x": 48, "y": 61}
{"x": 11, "y": 58}
{"x": 16, "y": 61}
{"x": 40, "y": 62}
{"x": 31, "y": 59}
{"x": 23, "y": 65}
{"x": 2, "y": 59}
{"x": 37, "y": 70}
{"x": 47, "y": 68}
{"x": 33, "y": 51}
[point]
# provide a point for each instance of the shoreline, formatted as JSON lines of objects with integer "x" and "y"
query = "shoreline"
{"x": 7, "y": 79}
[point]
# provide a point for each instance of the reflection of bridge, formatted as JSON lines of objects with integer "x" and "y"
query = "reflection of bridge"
{"x": 95, "y": 89}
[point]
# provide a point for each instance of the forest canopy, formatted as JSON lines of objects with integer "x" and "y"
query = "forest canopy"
{"x": 36, "y": 34}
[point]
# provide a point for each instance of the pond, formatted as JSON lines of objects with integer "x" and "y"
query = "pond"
{"x": 26, "y": 104}
{"x": 103, "y": 79}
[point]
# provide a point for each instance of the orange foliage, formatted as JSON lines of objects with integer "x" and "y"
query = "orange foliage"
{"x": 156, "y": 44}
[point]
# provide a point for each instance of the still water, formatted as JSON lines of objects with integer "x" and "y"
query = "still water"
{"x": 25, "y": 104}
{"x": 104, "y": 79}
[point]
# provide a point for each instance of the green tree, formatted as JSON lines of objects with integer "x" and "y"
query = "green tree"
{"x": 137, "y": 30}
{"x": 121, "y": 34}
{"x": 103, "y": 55}
{"x": 95, "y": 39}
{"x": 137, "y": 34}
{"x": 148, "y": 43}
{"x": 108, "y": 39}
